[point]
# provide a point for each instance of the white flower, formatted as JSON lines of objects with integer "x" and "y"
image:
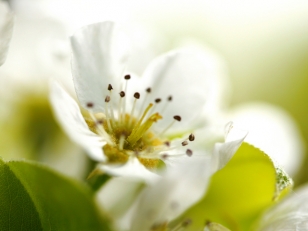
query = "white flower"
{"x": 137, "y": 122}
{"x": 6, "y": 29}
{"x": 166, "y": 197}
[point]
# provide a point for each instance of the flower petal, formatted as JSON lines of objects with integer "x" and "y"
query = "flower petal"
{"x": 69, "y": 116}
{"x": 171, "y": 195}
{"x": 6, "y": 29}
{"x": 116, "y": 204}
{"x": 272, "y": 130}
{"x": 132, "y": 168}
{"x": 192, "y": 79}
{"x": 223, "y": 152}
{"x": 289, "y": 214}
{"x": 100, "y": 55}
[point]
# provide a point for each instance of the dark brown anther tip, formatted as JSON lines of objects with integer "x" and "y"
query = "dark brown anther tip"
{"x": 122, "y": 94}
{"x": 164, "y": 156}
{"x": 148, "y": 90}
{"x": 107, "y": 99}
{"x": 191, "y": 137}
{"x": 178, "y": 118}
{"x": 90, "y": 105}
{"x": 170, "y": 98}
{"x": 137, "y": 95}
{"x": 189, "y": 152}
{"x": 158, "y": 100}
{"x": 184, "y": 143}
{"x": 110, "y": 87}
{"x": 127, "y": 77}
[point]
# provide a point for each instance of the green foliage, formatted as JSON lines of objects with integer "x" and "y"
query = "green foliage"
{"x": 33, "y": 197}
{"x": 238, "y": 193}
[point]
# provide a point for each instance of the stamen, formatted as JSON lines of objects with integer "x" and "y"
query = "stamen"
{"x": 126, "y": 77}
{"x": 169, "y": 99}
{"x": 184, "y": 143}
{"x": 110, "y": 88}
{"x": 176, "y": 118}
{"x": 121, "y": 109}
{"x": 191, "y": 137}
{"x": 157, "y": 101}
{"x": 148, "y": 90}
{"x": 139, "y": 130}
{"x": 121, "y": 142}
{"x": 107, "y": 100}
{"x": 182, "y": 225}
{"x": 98, "y": 123}
{"x": 189, "y": 152}
{"x": 136, "y": 96}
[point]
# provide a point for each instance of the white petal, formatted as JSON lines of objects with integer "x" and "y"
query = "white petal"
{"x": 272, "y": 130}
{"x": 289, "y": 214}
{"x": 132, "y": 168}
{"x": 69, "y": 116}
{"x": 223, "y": 152}
{"x": 117, "y": 195}
{"x": 6, "y": 29}
{"x": 191, "y": 78}
{"x": 99, "y": 57}
{"x": 177, "y": 190}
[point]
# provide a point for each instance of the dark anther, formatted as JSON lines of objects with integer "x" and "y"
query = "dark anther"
{"x": 127, "y": 77}
{"x": 178, "y": 118}
{"x": 189, "y": 152}
{"x": 122, "y": 94}
{"x": 170, "y": 98}
{"x": 110, "y": 87}
{"x": 100, "y": 121}
{"x": 187, "y": 222}
{"x": 90, "y": 105}
{"x": 137, "y": 95}
{"x": 184, "y": 143}
{"x": 167, "y": 143}
{"x": 165, "y": 156}
{"x": 148, "y": 90}
{"x": 107, "y": 99}
{"x": 191, "y": 137}
{"x": 157, "y": 100}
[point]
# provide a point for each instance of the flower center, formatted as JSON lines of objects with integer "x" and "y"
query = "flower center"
{"x": 130, "y": 135}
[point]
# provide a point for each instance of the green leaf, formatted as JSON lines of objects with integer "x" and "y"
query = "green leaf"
{"x": 238, "y": 193}
{"x": 33, "y": 197}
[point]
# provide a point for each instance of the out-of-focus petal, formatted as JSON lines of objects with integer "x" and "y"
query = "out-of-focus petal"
{"x": 273, "y": 131}
{"x": 191, "y": 78}
{"x": 100, "y": 53}
{"x": 6, "y": 29}
{"x": 117, "y": 195}
{"x": 289, "y": 214}
{"x": 69, "y": 116}
{"x": 223, "y": 152}
{"x": 132, "y": 168}
{"x": 171, "y": 195}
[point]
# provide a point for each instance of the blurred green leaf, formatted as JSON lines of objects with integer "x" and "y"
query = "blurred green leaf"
{"x": 238, "y": 193}
{"x": 33, "y": 197}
